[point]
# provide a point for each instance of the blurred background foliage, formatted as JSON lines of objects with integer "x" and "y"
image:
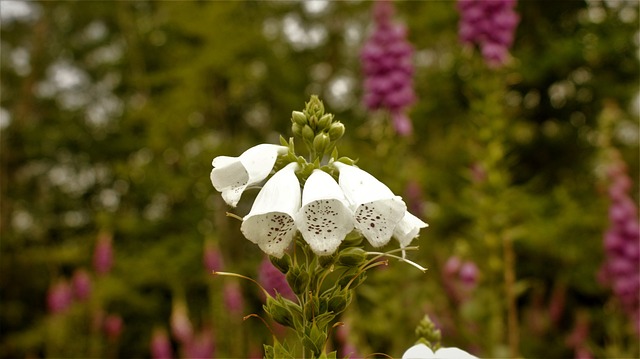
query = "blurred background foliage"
{"x": 112, "y": 111}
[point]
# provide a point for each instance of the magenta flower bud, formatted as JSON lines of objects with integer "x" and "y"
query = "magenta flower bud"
{"x": 59, "y": 297}
{"x": 452, "y": 266}
{"x": 81, "y": 284}
{"x": 274, "y": 281}
{"x": 212, "y": 257}
{"x": 200, "y": 346}
{"x": 160, "y": 345}
{"x": 113, "y": 325}
{"x": 233, "y": 298}
{"x": 469, "y": 274}
{"x": 103, "y": 254}
{"x": 401, "y": 123}
{"x": 181, "y": 328}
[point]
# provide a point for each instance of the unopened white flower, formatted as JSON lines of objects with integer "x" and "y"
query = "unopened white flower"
{"x": 325, "y": 217}
{"x": 421, "y": 351}
{"x": 408, "y": 229}
{"x": 377, "y": 210}
{"x": 270, "y": 223}
{"x": 232, "y": 175}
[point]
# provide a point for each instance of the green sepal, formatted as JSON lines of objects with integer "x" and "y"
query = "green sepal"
{"x": 298, "y": 280}
{"x": 279, "y": 311}
{"x": 339, "y": 301}
{"x": 314, "y": 339}
{"x": 352, "y": 257}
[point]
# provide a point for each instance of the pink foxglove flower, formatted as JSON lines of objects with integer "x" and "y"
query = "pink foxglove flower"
{"x": 181, "y": 327}
{"x": 421, "y": 351}
{"x": 160, "y": 345}
{"x": 200, "y": 346}
{"x": 621, "y": 269}
{"x": 233, "y": 298}
{"x": 274, "y": 281}
{"x": 103, "y": 254}
{"x": 60, "y": 296}
{"x": 270, "y": 223}
{"x": 81, "y": 284}
{"x": 491, "y": 25}
{"x": 211, "y": 257}
{"x": 325, "y": 217}
{"x": 113, "y": 325}
{"x": 388, "y": 68}
{"x": 232, "y": 175}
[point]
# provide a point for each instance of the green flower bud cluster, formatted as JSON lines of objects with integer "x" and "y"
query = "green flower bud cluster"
{"x": 324, "y": 288}
{"x": 318, "y": 130}
{"x": 428, "y": 333}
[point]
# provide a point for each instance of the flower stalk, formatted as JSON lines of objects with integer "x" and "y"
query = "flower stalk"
{"x": 310, "y": 217}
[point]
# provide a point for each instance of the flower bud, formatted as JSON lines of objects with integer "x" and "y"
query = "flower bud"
{"x": 352, "y": 257}
{"x": 298, "y": 118}
{"x": 307, "y": 134}
{"x": 339, "y": 302}
{"x": 279, "y": 311}
{"x": 60, "y": 296}
{"x": 320, "y": 143}
{"x": 325, "y": 121}
{"x": 298, "y": 280}
{"x": 283, "y": 264}
{"x": 296, "y": 129}
{"x": 336, "y": 131}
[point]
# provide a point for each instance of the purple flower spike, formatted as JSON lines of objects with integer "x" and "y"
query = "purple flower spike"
{"x": 491, "y": 25}
{"x": 388, "y": 68}
{"x": 81, "y": 284}
{"x": 103, "y": 254}
{"x": 60, "y": 297}
{"x": 160, "y": 345}
{"x": 621, "y": 270}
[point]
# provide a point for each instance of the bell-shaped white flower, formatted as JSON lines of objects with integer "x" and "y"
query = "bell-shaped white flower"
{"x": 408, "y": 229}
{"x": 421, "y": 351}
{"x": 377, "y": 210}
{"x": 270, "y": 223}
{"x": 232, "y": 175}
{"x": 325, "y": 217}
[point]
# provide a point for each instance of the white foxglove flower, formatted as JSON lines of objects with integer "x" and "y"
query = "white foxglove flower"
{"x": 421, "y": 351}
{"x": 270, "y": 223}
{"x": 408, "y": 229}
{"x": 377, "y": 210}
{"x": 232, "y": 175}
{"x": 325, "y": 217}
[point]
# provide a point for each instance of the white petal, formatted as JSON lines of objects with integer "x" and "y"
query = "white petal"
{"x": 232, "y": 175}
{"x": 270, "y": 223}
{"x": 408, "y": 229}
{"x": 359, "y": 186}
{"x": 377, "y": 210}
{"x": 453, "y": 353}
{"x": 325, "y": 217}
{"x": 418, "y": 351}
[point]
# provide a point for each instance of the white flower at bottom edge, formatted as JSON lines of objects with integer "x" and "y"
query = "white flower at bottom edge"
{"x": 232, "y": 175}
{"x": 377, "y": 210}
{"x": 325, "y": 217}
{"x": 408, "y": 229}
{"x": 270, "y": 223}
{"x": 421, "y": 351}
